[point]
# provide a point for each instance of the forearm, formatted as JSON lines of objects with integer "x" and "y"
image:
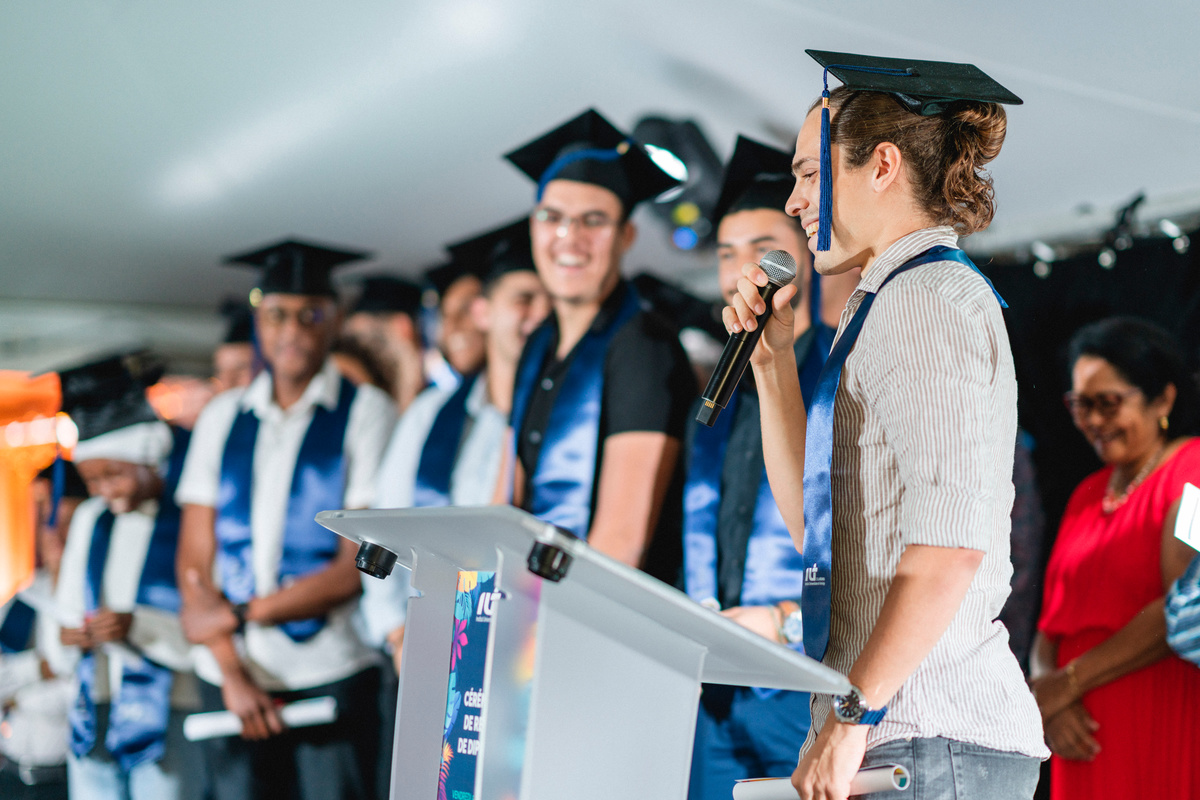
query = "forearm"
{"x": 226, "y": 656}
{"x": 636, "y": 471}
{"x": 925, "y": 595}
{"x": 1142, "y": 642}
{"x": 310, "y": 596}
{"x": 784, "y": 426}
{"x": 1043, "y": 657}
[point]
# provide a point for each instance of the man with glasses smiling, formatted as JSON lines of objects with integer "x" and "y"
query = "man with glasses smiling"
{"x": 267, "y": 591}
{"x": 603, "y": 389}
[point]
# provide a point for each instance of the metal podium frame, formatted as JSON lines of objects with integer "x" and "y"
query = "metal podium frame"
{"x": 594, "y": 670}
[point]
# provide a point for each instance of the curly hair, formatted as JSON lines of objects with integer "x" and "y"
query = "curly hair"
{"x": 945, "y": 153}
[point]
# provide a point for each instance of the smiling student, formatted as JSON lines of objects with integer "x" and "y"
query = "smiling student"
{"x": 897, "y": 485}
{"x": 603, "y": 389}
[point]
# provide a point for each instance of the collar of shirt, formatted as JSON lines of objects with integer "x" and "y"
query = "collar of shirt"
{"x": 894, "y": 256}
{"x": 608, "y": 309}
{"x": 477, "y": 399}
{"x": 323, "y": 389}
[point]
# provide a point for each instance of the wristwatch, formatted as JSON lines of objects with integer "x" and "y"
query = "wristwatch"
{"x": 239, "y": 612}
{"x": 851, "y": 709}
{"x": 793, "y": 623}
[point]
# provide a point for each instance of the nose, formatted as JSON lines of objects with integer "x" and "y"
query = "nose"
{"x": 796, "y": 202}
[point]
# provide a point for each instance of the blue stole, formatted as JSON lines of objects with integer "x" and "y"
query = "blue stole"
{"x": 773, "y": 567}
{"x": 440, "y": 453}
{"x": 563, "y": 480}
{"x": 818, "y": 460}
{"x": 318, "y": 484}
{"x": 137, "y": 723}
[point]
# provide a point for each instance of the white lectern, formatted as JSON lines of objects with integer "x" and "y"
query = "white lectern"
{"x": 593, "y": 673}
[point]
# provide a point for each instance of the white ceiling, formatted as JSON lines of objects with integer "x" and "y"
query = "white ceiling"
{"x": 140, "y": 141}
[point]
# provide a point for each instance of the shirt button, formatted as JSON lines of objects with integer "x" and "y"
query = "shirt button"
{"x": 535, "y": 436}
{"x": 547, "y": 384}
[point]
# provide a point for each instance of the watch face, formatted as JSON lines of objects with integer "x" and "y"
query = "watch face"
{"x": 848, "y": 708}
{"x": 793, "y": 628}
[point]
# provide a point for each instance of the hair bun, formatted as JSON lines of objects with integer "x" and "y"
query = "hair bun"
{"x": 979, "y": 130}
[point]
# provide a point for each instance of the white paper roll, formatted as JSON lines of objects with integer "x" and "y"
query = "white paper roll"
{"x": 300, "y": 714}
{"x": 883, "y": 778}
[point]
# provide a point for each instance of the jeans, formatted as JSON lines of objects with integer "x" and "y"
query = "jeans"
{"x": 741, "y": 735}
{"x": 943, "y": 769}
{"x": 97, "y": 776}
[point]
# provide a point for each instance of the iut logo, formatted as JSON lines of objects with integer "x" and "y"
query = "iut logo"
{"x": 487, "y": 603}
{"x": 813, "y": 575}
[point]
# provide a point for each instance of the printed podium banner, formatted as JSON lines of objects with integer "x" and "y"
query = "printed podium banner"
{"x": 473, "y": 609}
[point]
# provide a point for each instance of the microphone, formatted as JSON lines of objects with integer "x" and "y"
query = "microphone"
{"x": 781, "y": 270}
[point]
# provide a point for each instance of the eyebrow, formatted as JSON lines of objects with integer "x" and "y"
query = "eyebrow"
{"x": 799, "y": 162}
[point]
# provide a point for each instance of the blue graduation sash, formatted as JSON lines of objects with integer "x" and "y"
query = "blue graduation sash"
{"x": 773, "y": 566}
{"x": 440, "y": 453}
{"x": 565, "y": 475}
{"x": 818, "y": 459}
{"x": 137, "y": 723}
{"x": 318, "y": 484}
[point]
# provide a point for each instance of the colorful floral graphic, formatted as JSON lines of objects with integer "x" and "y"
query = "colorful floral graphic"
{"x": 444, "y": 771}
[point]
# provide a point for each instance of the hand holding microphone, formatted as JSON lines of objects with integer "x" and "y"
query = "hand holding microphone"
{"x": 762, "y": 291}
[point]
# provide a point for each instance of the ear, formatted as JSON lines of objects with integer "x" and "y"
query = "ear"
{"x": 886, "y": 163}
{"x": 626, "y": 236}
{"x": 481, "y": 315}
{"x": 401, "y": 326}
{"x": 1166, "y": 400}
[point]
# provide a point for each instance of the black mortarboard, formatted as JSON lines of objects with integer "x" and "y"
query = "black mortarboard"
{"x": 757, "y": 176}
{"x": 388, "y": 294}
{"x": 924, "y": 87}
{"x": 443, "y": 276}
{"x": 109, "y": 394}
{"x": 590, "y": 149}
{"x": 239, "y": 322}
{"x": 294, "y": 267}
{"x": 497, "y": 252}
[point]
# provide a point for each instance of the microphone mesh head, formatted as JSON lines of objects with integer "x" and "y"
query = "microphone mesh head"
{"x": 779, "y": 266}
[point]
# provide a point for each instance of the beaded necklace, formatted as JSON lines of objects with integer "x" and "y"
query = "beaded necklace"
{"x": 1112, "y": 501}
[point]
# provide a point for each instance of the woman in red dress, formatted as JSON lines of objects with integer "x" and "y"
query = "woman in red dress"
{"x": 1120, "y": 710}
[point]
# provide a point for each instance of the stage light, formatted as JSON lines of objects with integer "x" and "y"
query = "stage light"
{"x": 1043, "y": 251}
{"x": 681, "y": 150}
{"x": 668, "y": 162}
{"x": 685, "y": 238}
{"x": 1107, "y": 258}
{"x": 1041, "y": 269}
{"x": 1169, "y": 228}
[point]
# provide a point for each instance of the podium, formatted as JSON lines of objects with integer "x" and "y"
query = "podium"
{"x": 593, "y": 669}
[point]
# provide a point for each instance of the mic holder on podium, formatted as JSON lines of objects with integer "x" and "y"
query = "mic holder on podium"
{"x": 592, "y": 675}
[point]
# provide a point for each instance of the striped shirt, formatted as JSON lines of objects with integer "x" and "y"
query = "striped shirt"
{"x": 925, "y": 423}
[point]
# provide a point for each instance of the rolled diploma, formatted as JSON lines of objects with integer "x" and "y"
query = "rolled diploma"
{"x": 883, "y": 778}
{"x": 300, "y": 714}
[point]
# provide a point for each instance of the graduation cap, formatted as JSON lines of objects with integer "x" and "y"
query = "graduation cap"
{"x": 388, "y": 294}
{"x": 295, "y": 267}
{"x": 757, "y": 176}
{"x": 923, "y": 87}
{"x": 239, "y": 322}
{"x": 497, "y": 252}
{"x": 590, "y": 149}
{"x": 109, "y": 394}
{"x": 441, "y": 277}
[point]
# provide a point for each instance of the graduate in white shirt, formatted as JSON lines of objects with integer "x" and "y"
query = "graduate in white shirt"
{"x": 268, "y": 592}
{"x": 448, "y": 446}
{"x": 116, "y": 596}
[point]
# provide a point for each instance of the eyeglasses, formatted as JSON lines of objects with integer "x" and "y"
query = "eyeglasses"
{"x": 592, "y": 221}
{"x": 1106, "y": 404}
{"x": 307, "y": 317}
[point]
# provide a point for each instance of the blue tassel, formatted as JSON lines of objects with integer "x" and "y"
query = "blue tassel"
{"x": 58, "y": 484}
{"x": 825, "y": 207}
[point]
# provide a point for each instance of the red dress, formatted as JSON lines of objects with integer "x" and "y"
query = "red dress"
{"x": 1103, "y": 570}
